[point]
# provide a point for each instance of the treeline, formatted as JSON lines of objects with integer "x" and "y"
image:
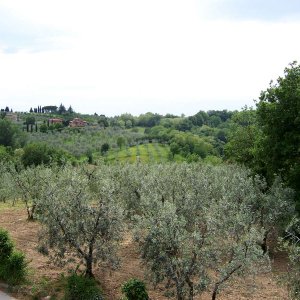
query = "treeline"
{"x": 61, "y": 110}
{"x": 265, "y": 139}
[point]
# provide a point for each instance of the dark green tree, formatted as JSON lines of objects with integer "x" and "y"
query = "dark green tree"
{"x": 50, "y": 109}
{"x": 149, "y": 119}
{"x": 278, "y": 112}
{"x": 30, "y": 120}
{"x": 104, "y": 148}
{"x": 38, "y": 153}
{"x": 10, "y": 134}
{"x": 199, "y": 118}
{"x": 2, "y": 114}
{"x": 103, "y": 121}
{"x": 70, "y": 110}
{"x": 62, "y": 110}
{"x": 243, "y": 137}
{"x": 43, "y": 128}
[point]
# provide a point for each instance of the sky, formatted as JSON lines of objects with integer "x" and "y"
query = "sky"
{"x": 135, "y": 56}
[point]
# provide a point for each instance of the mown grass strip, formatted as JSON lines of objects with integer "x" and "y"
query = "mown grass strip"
{"x": 154, "y": 152}
{"x": 145, "y": 153}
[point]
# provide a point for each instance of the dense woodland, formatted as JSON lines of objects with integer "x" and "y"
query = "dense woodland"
{"x": 201, "y": 194}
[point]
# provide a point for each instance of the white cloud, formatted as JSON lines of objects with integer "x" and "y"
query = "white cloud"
{"x": 137, "y": 56}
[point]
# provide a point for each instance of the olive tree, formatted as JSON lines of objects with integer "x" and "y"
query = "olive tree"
{"x": 173, "y": 252}
{"x": 80, "y": 224}
{"x": 235, "y": 237}
{"x": 172, "y": 231}
{"x": 130, "y": 179}
{"x": 29, "y": 184}
{"x": 5, "y": 183}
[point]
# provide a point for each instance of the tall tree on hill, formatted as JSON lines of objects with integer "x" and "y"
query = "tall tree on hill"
{"x": 62, "y": 110}
{"x": 50, "y": 109}
{"x": 70, "y": 110}
{"x": 30, "y": 121}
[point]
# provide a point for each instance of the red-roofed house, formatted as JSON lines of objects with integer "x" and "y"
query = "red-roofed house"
{"x": 76, "y": 122}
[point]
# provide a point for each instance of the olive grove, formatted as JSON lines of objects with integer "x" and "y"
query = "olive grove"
{"x": 197, "y": 226}
{"x": 202, "y": 219}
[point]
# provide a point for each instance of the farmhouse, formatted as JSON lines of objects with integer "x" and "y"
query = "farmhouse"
{"x": 11, "y": 116}
{"x": 76, "y": 122}
{"x": 55, "y": 121}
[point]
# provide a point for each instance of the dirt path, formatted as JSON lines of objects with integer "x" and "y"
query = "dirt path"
{"x": 24, "y": 234}
{"x": 4, "y": 296}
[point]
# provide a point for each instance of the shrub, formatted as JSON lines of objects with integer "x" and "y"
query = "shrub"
{"x": 135, "y": 289}
{"x": 82, "y": 288}
{"x": 13, "y": 267}
{"x": 89, "y": 155}
{"x": 104, "y": 148}
{"x": 36, "y": 154}
{"x": 6, "y": 246}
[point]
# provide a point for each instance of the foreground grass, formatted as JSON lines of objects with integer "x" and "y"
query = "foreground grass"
{"x": 11, "y": 205}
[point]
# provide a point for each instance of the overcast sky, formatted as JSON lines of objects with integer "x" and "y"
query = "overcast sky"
{"x": 164, "y": 56}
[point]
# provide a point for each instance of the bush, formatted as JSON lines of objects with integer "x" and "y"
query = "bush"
{"x": 6, "y": 246}
{"x": 13, "y": 267}
{"x": 82, "y": 288}
{"x": 135, "y": 289}
{"x": 38, "y": 153}
{"x": 104, "y": 148}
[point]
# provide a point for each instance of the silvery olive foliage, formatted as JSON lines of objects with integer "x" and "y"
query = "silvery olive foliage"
{"x": 7, "y": 191}
{"x": 80, "y": 221}
{"x": 130, "y": 179}
{"x": 28, "y": 185}
{"x": 291, "y": 243}
{"x": 200, "y": 219}
{"x": 197, "y": 226}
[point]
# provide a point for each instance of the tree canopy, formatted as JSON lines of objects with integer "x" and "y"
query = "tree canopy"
{"x": 278, "y": 112}
{"x": 10, "y": 134}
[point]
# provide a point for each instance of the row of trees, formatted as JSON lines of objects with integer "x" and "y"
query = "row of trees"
{"x": 6, "y": 109}
{"x": 197, "y": 227}
{"x": 212, "y": 118}
{"x": 61, "y": 110}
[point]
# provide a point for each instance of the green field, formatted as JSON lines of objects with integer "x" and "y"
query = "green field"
{"x": 146, "y": 153}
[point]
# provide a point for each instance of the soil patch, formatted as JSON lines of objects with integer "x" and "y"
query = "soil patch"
{"x": 24, "y": 234}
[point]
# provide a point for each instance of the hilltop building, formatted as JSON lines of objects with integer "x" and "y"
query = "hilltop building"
{"x": 77, "y": 122}
{"x": 55, "y": 121}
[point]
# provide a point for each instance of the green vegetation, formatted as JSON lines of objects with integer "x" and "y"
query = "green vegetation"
{"x": 13, "y": 266}
{"x": 135, "y": 289}
{"x": 145, "y": 153}
{"x": 278, "y": 117}
{"x": 202, "y": 194}
{"x": 82, "y": 288}
{"x": 188, "y": 219}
